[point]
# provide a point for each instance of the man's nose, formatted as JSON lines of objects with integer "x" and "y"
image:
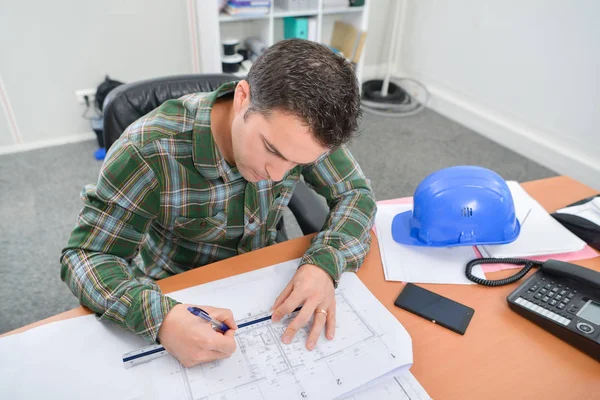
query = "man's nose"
{"x": 278, "y": 170}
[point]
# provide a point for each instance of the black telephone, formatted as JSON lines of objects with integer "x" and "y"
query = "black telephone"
{"x": 560, "y": 297}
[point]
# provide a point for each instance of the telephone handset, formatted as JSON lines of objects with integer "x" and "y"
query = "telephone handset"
{"x": 571, "y": 271}
{"x": 560, "y": 297}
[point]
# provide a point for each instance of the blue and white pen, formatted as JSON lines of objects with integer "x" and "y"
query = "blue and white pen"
{"x": 154, "y": 351}
{"x": 216, "y": 325}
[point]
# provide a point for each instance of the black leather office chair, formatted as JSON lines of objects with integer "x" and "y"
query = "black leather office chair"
{"x": 126, "y": 103}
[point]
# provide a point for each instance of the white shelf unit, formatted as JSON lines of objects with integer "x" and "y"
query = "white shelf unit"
{"x": 213, "y": 26}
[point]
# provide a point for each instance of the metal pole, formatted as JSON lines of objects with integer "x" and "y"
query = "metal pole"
{"x": 393, "y": 44}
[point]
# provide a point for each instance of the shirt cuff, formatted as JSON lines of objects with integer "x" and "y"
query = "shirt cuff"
{"x": 328, "y": 259}
{"x": 147, "y": 312}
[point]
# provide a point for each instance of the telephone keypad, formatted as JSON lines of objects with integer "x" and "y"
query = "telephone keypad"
{"x": 543, "y": 310}
{"x": 553, "y": 297}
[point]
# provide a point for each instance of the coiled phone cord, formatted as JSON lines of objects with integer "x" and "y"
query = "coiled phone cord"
{"x": 528, "y": 264}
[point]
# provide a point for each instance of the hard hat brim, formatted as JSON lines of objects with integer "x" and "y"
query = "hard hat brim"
{"x": 402, "y": 227}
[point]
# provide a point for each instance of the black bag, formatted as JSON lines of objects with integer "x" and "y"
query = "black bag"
{"x": 586, "y": 229}
{"x": 104, "y": 89}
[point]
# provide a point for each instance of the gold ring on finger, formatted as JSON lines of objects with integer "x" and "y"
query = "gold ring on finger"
{"x": 321, "y": 311}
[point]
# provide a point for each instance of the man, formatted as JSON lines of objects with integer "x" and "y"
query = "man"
{"x": 206, "y": 177}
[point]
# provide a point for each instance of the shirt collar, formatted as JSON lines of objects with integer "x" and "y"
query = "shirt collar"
{"x": 207, "y": 157}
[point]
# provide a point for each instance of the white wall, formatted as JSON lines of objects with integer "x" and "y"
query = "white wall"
{"x": 524, "y": 73}
{"x": 49, "y": 49}
{"x": 5, "y": 138}
{"x": 378, "y": 37}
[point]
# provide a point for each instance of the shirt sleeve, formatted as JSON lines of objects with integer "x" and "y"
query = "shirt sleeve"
{"x": 116, "y": 215}
{"x": 344, "y": 240}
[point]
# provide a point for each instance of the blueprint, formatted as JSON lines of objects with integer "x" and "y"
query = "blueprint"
{"x": 400, "y": 386}
{"x": 369, "y": 343}
{"x": 370, "y": 346}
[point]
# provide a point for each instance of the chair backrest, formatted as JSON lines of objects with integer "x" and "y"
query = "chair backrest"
{"x": 126, "y": 103}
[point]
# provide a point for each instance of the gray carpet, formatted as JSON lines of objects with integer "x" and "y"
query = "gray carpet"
{"x": 39, "y": 198}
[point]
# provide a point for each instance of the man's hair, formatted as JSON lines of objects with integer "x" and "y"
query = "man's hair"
{"x": 309, "y": 81}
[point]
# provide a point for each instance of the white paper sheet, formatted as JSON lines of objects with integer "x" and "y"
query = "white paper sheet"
{"x": 401, "y": 386}
{"x": 540, "y": 233}
{"x": 589, "y": 211}
{"x": 81, "y": 358}
{"x": 420, "y": 264}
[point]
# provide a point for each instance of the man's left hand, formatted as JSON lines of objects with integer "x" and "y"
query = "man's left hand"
{"x": 312, "y": 288}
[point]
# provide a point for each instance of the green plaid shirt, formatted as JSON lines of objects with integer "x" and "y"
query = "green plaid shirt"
{"x": 166, "y": 202}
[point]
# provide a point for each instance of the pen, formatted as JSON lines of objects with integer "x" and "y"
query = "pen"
{"x": 151, "y": 352}
{"x": 216, "y": 325}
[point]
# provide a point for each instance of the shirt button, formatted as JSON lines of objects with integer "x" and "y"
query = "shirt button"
{"x": 251, "y": 221}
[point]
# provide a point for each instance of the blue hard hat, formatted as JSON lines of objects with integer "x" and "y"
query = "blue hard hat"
{"x": 459, "y": 206}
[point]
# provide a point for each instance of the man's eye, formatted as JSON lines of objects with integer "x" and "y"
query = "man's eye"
{"x": 270, "y": 151}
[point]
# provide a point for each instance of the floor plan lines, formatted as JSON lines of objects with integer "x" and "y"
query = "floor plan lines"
{"x": 263, "y": 365}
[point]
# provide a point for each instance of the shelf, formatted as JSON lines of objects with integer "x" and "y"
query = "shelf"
{"x": 342, "y": 10}
{"x": 269, "y": 27}
{"x": 280, "y": 13}
{"x": 233, "y": 18}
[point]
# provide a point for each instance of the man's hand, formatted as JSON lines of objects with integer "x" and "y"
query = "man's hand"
{"x": 312, "y": 288}
{"x": 192, "y": 340}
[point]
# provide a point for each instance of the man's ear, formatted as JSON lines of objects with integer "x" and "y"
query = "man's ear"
{"x": 241, "y": 97}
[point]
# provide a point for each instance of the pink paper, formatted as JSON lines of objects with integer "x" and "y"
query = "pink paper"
{"x": 403, "y": 200}
{"x": 584, "y": 254}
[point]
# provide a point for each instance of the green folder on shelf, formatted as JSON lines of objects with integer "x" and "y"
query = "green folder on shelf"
{"x": 294, "y": 27}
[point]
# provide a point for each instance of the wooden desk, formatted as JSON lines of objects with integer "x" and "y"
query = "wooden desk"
{"x": 502, "y": 355}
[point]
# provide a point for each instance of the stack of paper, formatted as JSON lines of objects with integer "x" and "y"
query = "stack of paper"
{"x": 540, "y": 233}
{"x": 402, "y": 386}
{"x": 420, "y": 264}
{"x": 370, "y": 349}
{"x": 247, "y": 7}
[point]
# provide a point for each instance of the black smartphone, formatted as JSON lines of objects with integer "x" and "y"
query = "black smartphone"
{"x": 433, "y": 307}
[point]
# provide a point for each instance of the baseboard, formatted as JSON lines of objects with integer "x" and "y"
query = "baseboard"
{"x": 40, "y": 144}
{"x": 534, "y": 144}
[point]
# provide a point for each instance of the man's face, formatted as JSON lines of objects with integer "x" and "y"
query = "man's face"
{"x": 268, "y": 147}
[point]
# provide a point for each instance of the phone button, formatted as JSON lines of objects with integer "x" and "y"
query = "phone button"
{"x": 585, "y": 328}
